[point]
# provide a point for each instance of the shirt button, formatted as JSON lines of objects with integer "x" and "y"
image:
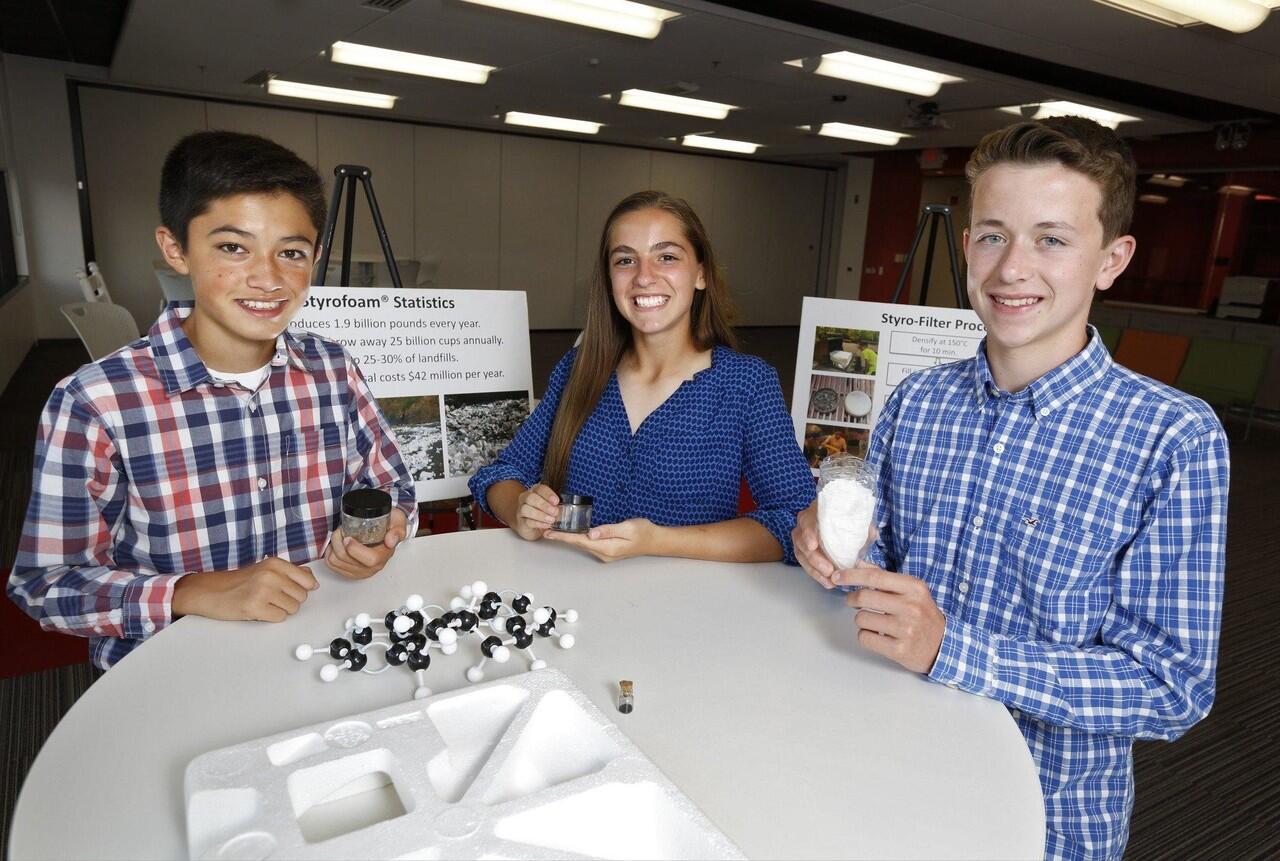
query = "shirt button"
{"x": 149, "y": 626}
{"x": 998, "y": 448}
{"x": 978, "y": 521}
{"x": 1044, "y": 411}
{"x": 262, "y": 484}
{"x": 963, "y": 587}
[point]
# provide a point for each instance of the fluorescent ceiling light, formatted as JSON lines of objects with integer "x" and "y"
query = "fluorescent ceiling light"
{"x": 1153, "y": 198}
{"x": 1236, "y": 189}
{"x": 879, "y": 73}
{"x": 411, "y": 64}
{"x": 722, "y": 144}
{"x": 861, "y": 133}
{"x": 1111, "y": 119}
{"x": 297, "y": 90}
{"x": 674, "y": 104}
{"x": 1238, "y": 16}
{"x": 542, "y": 121}
{"x": 1168, "y": 180}
{"x": 618, "y": 16}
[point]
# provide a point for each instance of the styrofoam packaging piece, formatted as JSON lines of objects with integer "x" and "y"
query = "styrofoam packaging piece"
{"x": 521, "y": 767}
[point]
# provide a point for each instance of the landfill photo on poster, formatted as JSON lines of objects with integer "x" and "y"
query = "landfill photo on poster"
{"x": 480, "y": 426}
{"x": 416, "y": 424}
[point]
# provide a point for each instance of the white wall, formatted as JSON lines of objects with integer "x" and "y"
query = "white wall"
{"x": 501, "y": 211}
{"x": 852, "y": 238}
{"x": 45, "y": 165}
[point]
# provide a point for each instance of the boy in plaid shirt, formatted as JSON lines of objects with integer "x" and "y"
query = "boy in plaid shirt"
{"x": 197, "y": 469}
{"x": 1052, "y": 525}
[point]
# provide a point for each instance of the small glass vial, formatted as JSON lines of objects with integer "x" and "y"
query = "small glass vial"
{"x": 366, "y": 513}
{"x": 574, "y": 514}
{"x": 626, "y": 696}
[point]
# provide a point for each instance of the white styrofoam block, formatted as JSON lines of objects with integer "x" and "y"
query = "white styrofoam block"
{"x": 522, "y": 767}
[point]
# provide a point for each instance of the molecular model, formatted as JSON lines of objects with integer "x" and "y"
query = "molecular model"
{"x": 411, "y": 633}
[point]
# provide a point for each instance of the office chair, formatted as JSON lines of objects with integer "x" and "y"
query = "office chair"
{"x": 103, "y": 327}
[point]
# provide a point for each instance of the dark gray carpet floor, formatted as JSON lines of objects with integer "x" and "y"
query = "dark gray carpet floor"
{"x": 1215, "y": 793}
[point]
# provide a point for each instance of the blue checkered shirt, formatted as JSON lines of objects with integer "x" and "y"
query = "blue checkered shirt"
{"x": 1073, "y": 534}
{"x": 147, "y": 468}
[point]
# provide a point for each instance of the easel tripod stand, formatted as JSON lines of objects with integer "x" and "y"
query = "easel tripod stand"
{"x": 932, "y": 213}
{"x": 345, "y": 178}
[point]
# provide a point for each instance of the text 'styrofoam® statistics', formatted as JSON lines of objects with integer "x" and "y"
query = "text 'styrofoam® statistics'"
{"x": 450, "y": 370}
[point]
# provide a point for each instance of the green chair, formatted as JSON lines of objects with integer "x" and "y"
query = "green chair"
{"x": 1110, "y": 336}
{"x": 1225, "y": 374}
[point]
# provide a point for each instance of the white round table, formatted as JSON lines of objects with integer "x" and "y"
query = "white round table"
{"x": 752, "y": 696}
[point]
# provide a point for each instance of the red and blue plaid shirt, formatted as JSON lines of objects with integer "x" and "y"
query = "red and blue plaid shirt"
{"x": 147, "y": 468}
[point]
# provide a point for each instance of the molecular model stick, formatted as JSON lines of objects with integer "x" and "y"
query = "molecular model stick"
{"x": 411, "y": 633}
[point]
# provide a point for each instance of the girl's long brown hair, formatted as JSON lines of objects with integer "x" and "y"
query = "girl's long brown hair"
{"x": 607, "y": 335}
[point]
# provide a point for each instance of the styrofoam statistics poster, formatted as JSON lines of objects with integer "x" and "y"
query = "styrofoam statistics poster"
{"x": 450, "y": 370}
{"x": 852, "y": 354}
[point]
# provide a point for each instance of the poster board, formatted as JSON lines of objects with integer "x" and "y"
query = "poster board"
{"x": 851, "y": 356}
{"x": 450, "y": 370}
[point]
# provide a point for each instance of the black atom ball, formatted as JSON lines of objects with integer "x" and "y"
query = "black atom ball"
{"x": 363, "y": 636}
{"x": 339, "y": 647}
{"x": 515, "y": 624}
{"x": 433, "y": 629}
{"x": 419, "y": 660}
{"x": 545, "y": 629}
{"x": 487, "y": 610}
{"x": 467, "y": 620}
{"x": 390, "y": 619}
{"x": 489, "y": 644}
{"x": 356, "y": 661}
{"x": 523, "y": 639}
{"x": 397, "y": 654}
{"x": 521, "y": 604}
{"x": 419, "y": 621}
{"x": 491, "y": 598}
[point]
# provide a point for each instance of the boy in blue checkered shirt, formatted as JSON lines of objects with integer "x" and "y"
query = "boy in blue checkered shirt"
{"x": 1052, "y": 526}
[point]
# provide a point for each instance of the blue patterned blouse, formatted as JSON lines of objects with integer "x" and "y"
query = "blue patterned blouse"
{"x": 685, "y": 464}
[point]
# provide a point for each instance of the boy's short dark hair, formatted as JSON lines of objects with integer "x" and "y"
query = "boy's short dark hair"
{"x": 1073, "y": 142}
{"x": 206, "y": 166}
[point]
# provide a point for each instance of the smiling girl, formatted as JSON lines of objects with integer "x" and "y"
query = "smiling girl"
{"x": 656, "y": 416}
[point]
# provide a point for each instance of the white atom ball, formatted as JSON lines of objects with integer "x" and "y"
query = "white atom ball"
{"x": 567, "y": 641}
{"x": 475, "y": 674}
{"x": 413, "y": 602}
{"x": 449, "y": 649}
{"x": 479, "y": 588}
{"x": 498, "y": 625}
{"x": 350, "y": 623}
{"x": 303, "y": 652}
{"x": 539, "y": 664}
{"x": 571, "y": 616}
{"x": 402, "y": 624}
{"x": 447, "y": 636}
{"x": 328, "y": 672}
{"x": 362, "y": 620}
{"x": 501, "y": 654}
{"x": 421, "y": 693}
{"x": 541, "y": 615}
{"x": 465, "y": 592}
{"x": 456, "y": 603}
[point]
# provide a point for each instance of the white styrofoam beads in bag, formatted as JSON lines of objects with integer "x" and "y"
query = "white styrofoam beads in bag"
{"x": 525, "y": 766}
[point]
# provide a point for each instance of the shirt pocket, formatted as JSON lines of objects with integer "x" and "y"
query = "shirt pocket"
{"x": 315, "y": 471}
{"x": 1061, "y": 572}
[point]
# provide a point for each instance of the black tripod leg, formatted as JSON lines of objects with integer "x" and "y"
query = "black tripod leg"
{"x": 348, "y": 230}
{"x": 326, "y": 235}
{"x": 928, "y": 257}
{"x": 962, "y": 300}
{"x": 911, "y": 255}
{"x": 382, "y": 232}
